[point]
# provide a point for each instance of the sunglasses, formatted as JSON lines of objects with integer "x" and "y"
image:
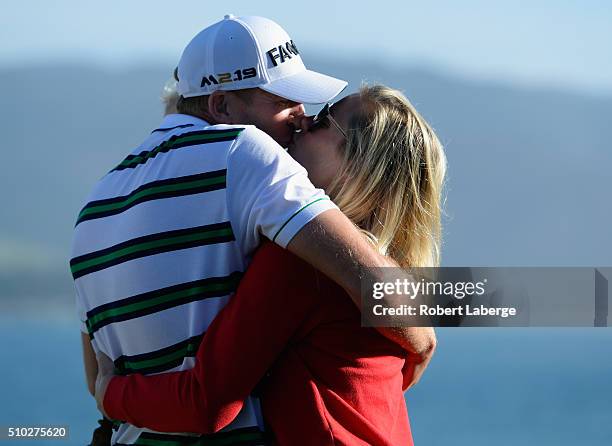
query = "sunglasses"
{"x": 323, "y": 118}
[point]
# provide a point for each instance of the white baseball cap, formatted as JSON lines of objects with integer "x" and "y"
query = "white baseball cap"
{"x": 246, "y": 52}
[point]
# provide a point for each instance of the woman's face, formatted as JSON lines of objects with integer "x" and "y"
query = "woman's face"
{"x": 319, "y": 150}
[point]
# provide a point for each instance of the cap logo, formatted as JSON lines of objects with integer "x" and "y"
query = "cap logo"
{"x": 282, "y": 52}
{"x": 224, "y": 78}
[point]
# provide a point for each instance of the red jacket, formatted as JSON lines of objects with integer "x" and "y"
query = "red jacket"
{"x": 323, "y": 379}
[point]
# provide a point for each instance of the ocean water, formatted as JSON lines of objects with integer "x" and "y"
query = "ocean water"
{"x": 484, "y": 386}
{"x": 516, "y": 386}
{"x": 42, "y": 381}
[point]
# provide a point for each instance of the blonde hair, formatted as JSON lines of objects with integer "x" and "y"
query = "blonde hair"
{"x": 391, "y": 180}
{"x": 170, "y": 96}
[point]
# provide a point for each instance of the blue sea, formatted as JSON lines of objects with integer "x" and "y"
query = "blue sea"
{"x": 484, "y": 386}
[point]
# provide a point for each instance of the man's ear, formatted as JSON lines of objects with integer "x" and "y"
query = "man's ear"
{"x": 218, "y": 107}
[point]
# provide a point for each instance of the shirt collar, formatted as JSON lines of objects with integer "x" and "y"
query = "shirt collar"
{"x": 178, "y": 120}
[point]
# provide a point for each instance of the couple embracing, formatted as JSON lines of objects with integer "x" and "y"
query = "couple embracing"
{"x": 218, "y": 274}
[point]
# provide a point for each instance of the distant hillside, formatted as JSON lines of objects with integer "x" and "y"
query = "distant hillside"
{"x": 529, "y": 170}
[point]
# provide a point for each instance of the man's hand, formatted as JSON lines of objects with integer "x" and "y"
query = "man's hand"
{"x": 416, "y": 363}
{"x": 106, "y": 372}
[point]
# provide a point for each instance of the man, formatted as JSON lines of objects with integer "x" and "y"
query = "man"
{"x": 163, "y": 240}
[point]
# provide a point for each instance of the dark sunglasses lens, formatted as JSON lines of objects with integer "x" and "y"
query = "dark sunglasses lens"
{"x": 320, "y": 120}
{"x": 321, "y": 123}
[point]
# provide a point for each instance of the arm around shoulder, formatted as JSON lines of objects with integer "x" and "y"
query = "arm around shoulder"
{"x": 332, "y": 244}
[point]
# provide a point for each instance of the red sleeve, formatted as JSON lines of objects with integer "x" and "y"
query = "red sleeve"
{"x": 239, "y": 347}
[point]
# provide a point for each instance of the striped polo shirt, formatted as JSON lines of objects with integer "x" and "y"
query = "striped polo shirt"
{"x": 163, "y": 240}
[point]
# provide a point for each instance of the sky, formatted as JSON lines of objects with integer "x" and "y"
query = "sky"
{"x": 548, "y": 43}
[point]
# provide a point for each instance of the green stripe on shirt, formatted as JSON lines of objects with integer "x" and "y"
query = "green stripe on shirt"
{"x": 173, "y": 187}
{"x": 296, "y": 213}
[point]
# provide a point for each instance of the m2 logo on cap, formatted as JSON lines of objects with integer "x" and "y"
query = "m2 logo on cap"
{"x": 224, "y": 78}
{"x": 282, "y": 52}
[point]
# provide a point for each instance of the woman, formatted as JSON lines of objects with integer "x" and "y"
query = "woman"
{"x": 290, "y": 334}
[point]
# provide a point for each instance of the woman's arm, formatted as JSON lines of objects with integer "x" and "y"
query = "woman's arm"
{"x": 239, "y": 347}
{"x": 90, "y": 363}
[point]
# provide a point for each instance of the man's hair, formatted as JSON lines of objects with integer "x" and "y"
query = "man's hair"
{"x": 198, "y": 105}
{"x": 195, "y": 106}
{"x": 391, "y": 179}
{"x": 170, "y": 96}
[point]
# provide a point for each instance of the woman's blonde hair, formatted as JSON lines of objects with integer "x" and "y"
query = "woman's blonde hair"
{"x": 391, "y": 180}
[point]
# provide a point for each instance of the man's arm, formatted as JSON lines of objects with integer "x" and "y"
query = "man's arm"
{"x": 90, "y": 363}
{"x": 269, "y": 194}
{"x": 334, "y": 246}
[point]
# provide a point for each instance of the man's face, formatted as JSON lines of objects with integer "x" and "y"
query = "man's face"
{"x": 268, "y": 112}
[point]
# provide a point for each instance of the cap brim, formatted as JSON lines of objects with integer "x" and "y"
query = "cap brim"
{"x": 306, "y": 87}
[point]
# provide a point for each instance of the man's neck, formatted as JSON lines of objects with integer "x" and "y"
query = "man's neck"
{"x": 205, "y": 117}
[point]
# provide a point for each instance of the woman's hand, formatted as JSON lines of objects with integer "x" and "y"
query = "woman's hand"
{"x": 106, "y": 372}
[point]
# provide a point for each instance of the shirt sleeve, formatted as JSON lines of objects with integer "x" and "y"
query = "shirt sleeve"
{"x": 241, "y": 344}
{"x": 268, "y": 192}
